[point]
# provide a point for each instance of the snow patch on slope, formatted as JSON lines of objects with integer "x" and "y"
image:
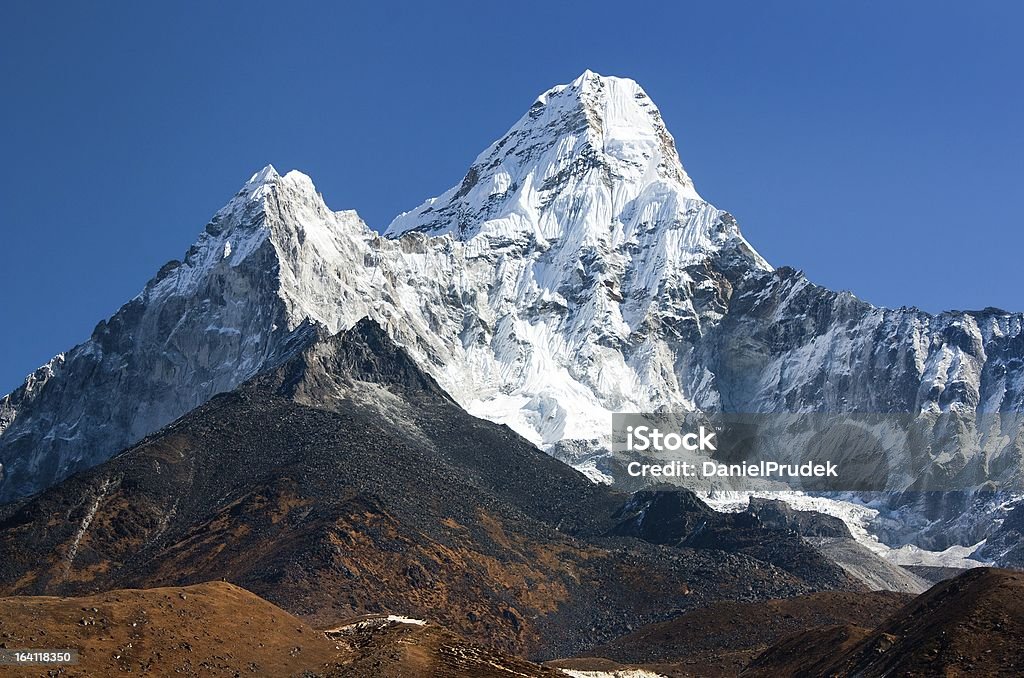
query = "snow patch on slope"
{"x": 618, "y": 673}
{"x": 858, "y": 517}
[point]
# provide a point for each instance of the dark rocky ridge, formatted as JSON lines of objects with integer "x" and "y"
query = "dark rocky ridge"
{"x": 807, "y": 544}
{"x": 777, "y": 514}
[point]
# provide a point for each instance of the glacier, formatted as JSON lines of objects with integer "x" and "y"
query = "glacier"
{"x": 573, "y": 272}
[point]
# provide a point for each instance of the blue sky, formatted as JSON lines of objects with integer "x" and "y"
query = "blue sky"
{"x": 875, "y": 145}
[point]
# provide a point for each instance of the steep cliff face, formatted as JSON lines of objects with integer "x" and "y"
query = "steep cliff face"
{"x": 572, "y": 273}
{"x": 794, "y": 346}
{"x": 199, "y": 326}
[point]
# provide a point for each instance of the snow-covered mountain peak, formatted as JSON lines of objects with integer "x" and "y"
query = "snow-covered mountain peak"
{"x": 266, "y": 190}
{"x": 251, "y": 193}
{"x": 623, "y": 121}
{"x": 265, "y": 181}
{"x": 265, "y": 175}
{"x": 588, "y": 154}
{"x": 578, "y": 265}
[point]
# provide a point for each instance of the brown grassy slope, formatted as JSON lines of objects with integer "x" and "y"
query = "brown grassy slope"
{"x": 807, "y": 653}
{"x": 972, "y": 625}
{"x": 218, "y": 629}
{"x": 208, "y": 629}
{"x": 722, "y": 638}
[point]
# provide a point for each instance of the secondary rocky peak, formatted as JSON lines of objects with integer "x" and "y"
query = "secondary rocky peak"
{"x": 320, "y": 368}
{"x": 264, "y": 183}
{"x": 285, "y": 209}
{"x": 265, "y": 175}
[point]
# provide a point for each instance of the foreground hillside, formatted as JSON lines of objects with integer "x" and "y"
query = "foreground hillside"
{"x": 213, "y": 629}
{"x": 218, "y": 629}
{"x": 968, "y": 626}
{"x": 724, "y": 637}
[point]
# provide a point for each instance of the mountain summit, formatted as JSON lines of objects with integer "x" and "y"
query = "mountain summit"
{"x": 585, "y": 155}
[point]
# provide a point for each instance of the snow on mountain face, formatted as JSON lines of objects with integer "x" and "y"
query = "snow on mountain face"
{"x": 574, "y": 272}
{"x": 586, "y": 156}
{"x": 598, "y": 238}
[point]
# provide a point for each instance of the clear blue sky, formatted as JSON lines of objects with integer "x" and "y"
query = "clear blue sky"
{"x": 875, "y": 145}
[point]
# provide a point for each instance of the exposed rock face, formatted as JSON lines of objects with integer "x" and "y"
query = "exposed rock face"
{"x": 1005, "y": 547}
{"x": 200, "y": 327}
{"x": 572, "y": 273}
{"x": 664, "y": 517}
{"x": 777, "y": 514}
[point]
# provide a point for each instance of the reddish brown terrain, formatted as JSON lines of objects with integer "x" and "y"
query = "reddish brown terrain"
{"x": 218, "y": 629}
{"x": 972, "y": 625}
{"x": 402, "y": 650}
{"x": 969, "y": 626}
{"x": 207, "y": 629}
{"x": 722, "y": 638}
